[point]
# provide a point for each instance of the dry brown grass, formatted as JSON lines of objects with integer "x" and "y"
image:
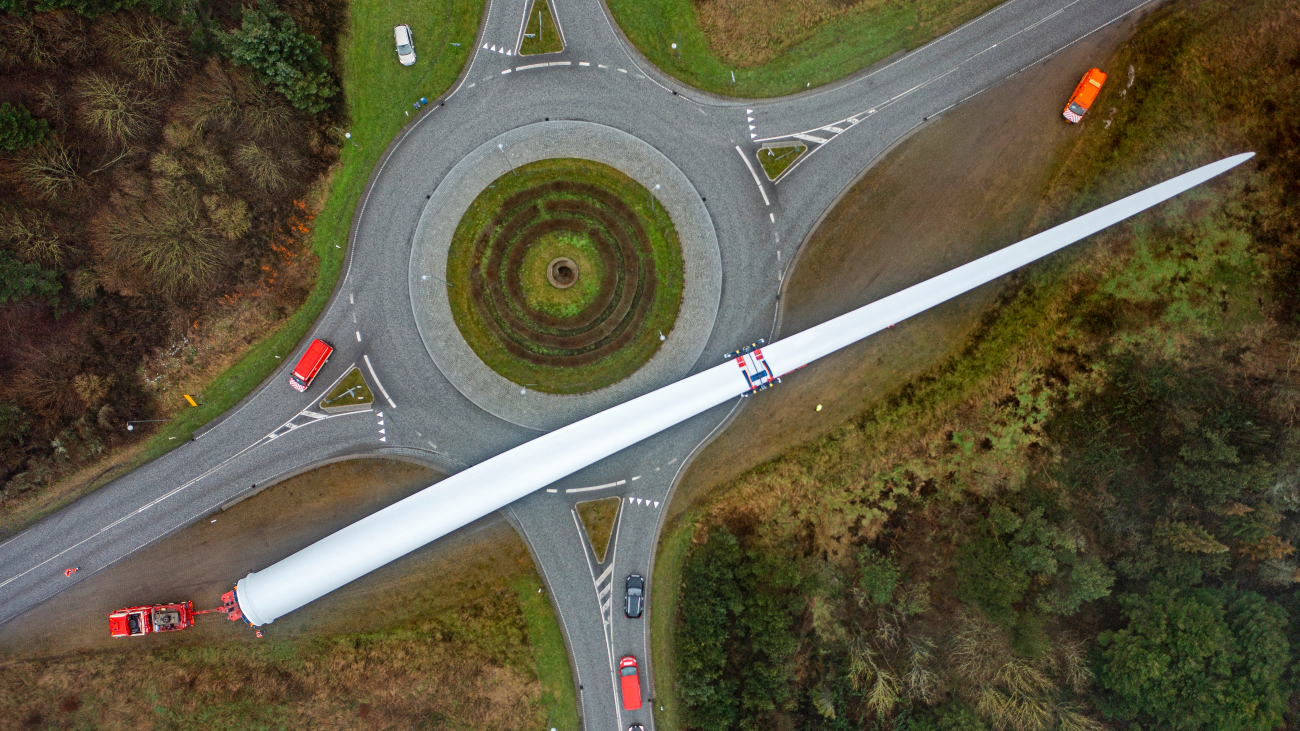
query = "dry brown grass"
{"x": 467, "y": 667}
{"x": 750, "y": 32}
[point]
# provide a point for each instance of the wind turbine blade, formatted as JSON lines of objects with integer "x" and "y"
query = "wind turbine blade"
{"x": 391, "y": 533}
{"x": 802, "y": 348}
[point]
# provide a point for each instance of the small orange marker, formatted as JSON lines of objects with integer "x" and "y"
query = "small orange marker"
{"x": 190, "y": 399}
{"x": 69, "y": 572}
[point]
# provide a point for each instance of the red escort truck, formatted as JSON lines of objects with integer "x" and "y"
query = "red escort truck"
{"x": 318, "y": 353}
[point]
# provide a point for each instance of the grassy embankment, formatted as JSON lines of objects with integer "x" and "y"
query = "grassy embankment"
{"x": 379, "y": 91}
{"x": 781, "y": 47}
{"x": 775, "y": 160}
{"x": 1202, "y": 288}
{"x": 486, "y": 336}
{"x": 541, "y": 35}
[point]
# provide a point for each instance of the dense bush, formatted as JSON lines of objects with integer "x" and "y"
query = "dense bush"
{"x": 737, "y": 645}
{"x": 19, "y": 129}
{"x": 24, "y": 279}
{"x": 283, "y": 56}
{"x": 1201, "y": 659}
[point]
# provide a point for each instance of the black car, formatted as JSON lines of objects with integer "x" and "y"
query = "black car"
{"x": 634, "y": 601}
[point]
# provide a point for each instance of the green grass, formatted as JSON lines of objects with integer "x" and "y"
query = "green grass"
{"x": 828, "y": 52}
{"x": 539, "y": 293}
{"x": 379, "y": 91}
{"x": 350, "y": 391}
{"x": 674, "y": 548}
{"x": 549, "y": 653}
{"x": 541, "y": 26}
{"x": 775, "y": 160}
{"x": 558, "y": 378}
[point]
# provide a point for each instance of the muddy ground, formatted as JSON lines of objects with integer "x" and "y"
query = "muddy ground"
{"x": 967, "y": 184}
{"x": 205, "y": 560}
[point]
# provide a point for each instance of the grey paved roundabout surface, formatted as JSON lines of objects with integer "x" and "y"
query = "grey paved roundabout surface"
{"x": 438, "y": 418}
{"x": 701, "y": 292}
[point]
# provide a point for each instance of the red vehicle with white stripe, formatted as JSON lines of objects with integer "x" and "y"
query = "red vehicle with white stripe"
{"x": 318, "y": 353}
{"x": 1084, "y": 95}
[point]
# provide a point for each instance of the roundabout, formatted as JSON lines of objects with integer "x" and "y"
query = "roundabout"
{"x": 512, "y": 221}
{"x": 563, "y": 278}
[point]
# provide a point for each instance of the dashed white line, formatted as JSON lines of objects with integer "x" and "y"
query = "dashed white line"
{"x": 382, "y": 390}
{"x": 622, "y": 71}
{"x": 584, "y": 63}
{"x": 358, "y": 336}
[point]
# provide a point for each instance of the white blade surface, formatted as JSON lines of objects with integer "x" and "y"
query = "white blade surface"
{"x": 467, "y": 496}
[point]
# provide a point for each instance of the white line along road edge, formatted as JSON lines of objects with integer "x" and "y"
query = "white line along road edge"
{"x": 466, "y": 496}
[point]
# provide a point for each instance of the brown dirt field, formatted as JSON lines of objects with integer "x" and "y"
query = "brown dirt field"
{"x": 969, "y": 183}
{"x": 204, "y": 560}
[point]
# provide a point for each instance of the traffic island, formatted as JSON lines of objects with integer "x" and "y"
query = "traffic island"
{"x": 566, "y": 276}
{"x": 598, "y": 521}
{"x": 541, "y": 34}
{"x": 431, "y": 277}
{"x": 351, "y": 393}
{"x": 777, "y": 158}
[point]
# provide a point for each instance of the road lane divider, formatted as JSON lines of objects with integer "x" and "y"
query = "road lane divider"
{"x": 373, "y": 375}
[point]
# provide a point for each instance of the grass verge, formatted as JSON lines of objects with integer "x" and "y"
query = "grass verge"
{"x": 801, "y": 53}
{"x": 379, "y": 90}
{"x": 541, "y": 35}
{"x": 549, "y": 654}
{"x": 674, "y": 547}
{"x": 775, "y": 160}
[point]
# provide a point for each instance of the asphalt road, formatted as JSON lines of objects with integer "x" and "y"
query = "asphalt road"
{"x": 420, "y": 415}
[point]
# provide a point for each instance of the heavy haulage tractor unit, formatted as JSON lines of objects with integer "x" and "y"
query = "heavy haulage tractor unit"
{"x": 146, "y": 620}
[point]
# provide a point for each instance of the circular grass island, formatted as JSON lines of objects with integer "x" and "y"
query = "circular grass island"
{"x": 565, "y": 276}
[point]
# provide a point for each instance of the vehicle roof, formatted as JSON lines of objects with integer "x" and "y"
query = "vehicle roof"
{"x": 402, "y": 33}
{"x": 629, "y": 660}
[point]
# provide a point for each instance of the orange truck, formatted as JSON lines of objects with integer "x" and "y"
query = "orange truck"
{"x": 1084, "y": 95}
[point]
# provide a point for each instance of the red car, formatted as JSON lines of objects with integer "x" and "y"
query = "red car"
{"x": 631, "y": 683}
{"x": 318, "y": 353}
{"x": 140, "y": 621}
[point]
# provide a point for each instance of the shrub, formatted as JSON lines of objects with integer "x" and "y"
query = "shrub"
{"x": 283, "y": 56}
{"x": 149, "y": 50}
{"x": 49, "y": 170}
{"x": 112, "y": 108}
{"x": 20, "y": 279}
{"x": 19, "y": 129}
{"x": 877, "y": 575}
{"x": 28, "y": 234}
{"x": 262, "y": 166}
{"x": 167, "y": 243}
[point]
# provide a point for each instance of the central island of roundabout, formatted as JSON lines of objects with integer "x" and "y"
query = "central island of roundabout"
{"x": 562, "y": 268}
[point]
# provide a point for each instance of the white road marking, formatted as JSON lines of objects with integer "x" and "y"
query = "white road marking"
{"x": 551, "y": 489}
{"x": 358, "y": 336}
{"x": 809, "y": 138}
{"x": 503, "y": 73}
{"x": 597, "y": 487}
{"x": 584, "y": 63}
{"x": 622, "y": 71}
{"x": 601, "y": 65}
{"x": 377, "y": 383}
{"x": 756, "y": 180}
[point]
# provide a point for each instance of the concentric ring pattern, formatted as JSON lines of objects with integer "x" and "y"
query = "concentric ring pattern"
{"x": 573, "y": 339}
